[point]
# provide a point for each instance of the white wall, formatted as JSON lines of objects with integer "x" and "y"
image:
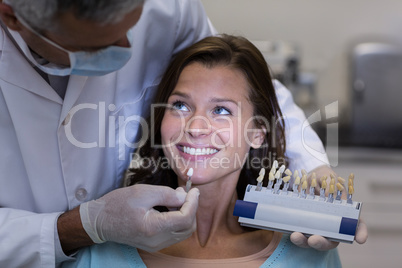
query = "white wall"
{"x": 324, "y": 31}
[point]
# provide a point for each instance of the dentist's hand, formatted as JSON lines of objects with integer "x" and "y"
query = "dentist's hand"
{"x": 321, "y": 243}
{"x": 127, "y": 216}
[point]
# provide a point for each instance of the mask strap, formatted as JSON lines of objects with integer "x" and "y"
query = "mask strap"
{"x": 15, "y": 43}
{"x": 39, "y": 71}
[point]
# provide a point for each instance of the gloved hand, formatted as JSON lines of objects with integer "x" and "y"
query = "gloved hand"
{"x": 321, "y": 243}
{"x": 127, "y": 216}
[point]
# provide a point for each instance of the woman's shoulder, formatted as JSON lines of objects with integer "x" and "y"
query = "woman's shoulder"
{"x": 108, "y": 254}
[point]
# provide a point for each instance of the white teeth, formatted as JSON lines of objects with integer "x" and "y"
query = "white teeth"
{"x": 199, "y": 151}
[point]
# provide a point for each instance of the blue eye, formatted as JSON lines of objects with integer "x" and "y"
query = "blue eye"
{"x": 222, "y": 111}
{"x": 179, "y": 105}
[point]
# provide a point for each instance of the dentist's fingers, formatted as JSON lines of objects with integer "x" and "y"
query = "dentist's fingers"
{"x": 362, "y": 232}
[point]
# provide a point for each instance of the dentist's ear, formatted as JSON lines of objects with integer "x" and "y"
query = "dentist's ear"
{"x": 8, "y": 17}
{"x": 258, "y": 137}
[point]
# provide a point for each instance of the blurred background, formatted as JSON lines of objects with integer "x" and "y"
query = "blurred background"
{"x": 341, "y": 58}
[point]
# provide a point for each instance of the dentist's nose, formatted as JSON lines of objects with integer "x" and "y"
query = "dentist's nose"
{"x": 198, "y": 126}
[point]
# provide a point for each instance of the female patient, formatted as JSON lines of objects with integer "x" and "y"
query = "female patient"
{"x": 221, "y": 118}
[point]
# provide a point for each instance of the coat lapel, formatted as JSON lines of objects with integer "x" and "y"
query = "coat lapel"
{"x": 15, "y": 69}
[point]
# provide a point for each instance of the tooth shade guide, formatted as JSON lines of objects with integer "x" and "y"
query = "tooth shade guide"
{"x": 339, "y": 187}
{"x": 275, "y": 164}
{"x": 288, "y": 213}
{"x": 304, "y": 178}
{"x": 323, "y": 181}
{"x": 288, "y": 172}
{"x": 351, "y": 179}
{"x": 314, "y": 183}
{"x": 341, "y": 180}
{"x": 324, "y": 184}
{"x": 259, "y": 180}
{"x": 188, "y": 183}
{"x": 298, "y": 212}
{"x": 295, "y": 174}
{"x": 282, "y": 169}
{"x": 286, "y": 179}
{"x": 273, "y": 170}
{"x": 313, "y": 176}
{"x": 331, "y": 188}
{"x": 332, "y": 181}
{"x": 351, "y": 190}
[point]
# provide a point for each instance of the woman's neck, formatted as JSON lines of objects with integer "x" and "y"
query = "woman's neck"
{"x": 218, "y": 234}
{"x": 214, "y": 214}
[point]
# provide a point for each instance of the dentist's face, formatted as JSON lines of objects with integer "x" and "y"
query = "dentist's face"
{"x": 206, "y": 125}
{"x": 79, "y": 35}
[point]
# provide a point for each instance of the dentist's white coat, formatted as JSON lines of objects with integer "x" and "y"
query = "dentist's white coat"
{"x": 56, "y": 154}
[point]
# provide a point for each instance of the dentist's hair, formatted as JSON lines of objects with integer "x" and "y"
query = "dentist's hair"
{"x": 236, "y": 53}
{"x": 42, "y": 14}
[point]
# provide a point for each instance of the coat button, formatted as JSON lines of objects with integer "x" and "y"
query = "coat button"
{"x": 66, "y": 120}
{"x": 81, "y": 194}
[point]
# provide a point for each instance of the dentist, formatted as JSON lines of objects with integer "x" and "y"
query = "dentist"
{"x": 76, "y": 80}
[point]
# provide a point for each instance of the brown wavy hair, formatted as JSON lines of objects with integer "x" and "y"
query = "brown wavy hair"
{"x": 236, "y": 53}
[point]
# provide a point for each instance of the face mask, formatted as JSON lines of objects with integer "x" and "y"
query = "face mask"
{"x": 83, "y": 63}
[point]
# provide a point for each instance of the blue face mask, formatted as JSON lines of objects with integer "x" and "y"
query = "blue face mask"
{"x": 83, "y": 63}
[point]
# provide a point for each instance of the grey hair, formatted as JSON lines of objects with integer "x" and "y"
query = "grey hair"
{"x": 42, "y": 14}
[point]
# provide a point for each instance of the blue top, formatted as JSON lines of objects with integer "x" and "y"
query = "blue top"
{"x": 285, "y": 255}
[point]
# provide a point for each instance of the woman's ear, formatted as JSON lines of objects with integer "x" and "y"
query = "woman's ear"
{"x": 258, "y": 137}
{"x": 8, "y": 17}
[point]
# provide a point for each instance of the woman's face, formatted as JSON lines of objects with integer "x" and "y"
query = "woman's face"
{"x": 209, "y": 125}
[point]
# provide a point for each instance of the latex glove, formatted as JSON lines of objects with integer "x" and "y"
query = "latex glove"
{"x": 127, "y": 216}
{"x": 319, "y": 242}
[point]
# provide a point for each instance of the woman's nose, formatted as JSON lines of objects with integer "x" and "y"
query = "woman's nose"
{"x": 198, "y": 126}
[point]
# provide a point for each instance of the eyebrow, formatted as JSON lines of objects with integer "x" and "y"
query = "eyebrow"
{"x": 218, "y": 100}
{"x": 213, "y": 100}
{"x": 181, "y": 94}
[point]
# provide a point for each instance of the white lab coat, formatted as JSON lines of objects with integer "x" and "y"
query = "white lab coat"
{"x": 56, "y": 154}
